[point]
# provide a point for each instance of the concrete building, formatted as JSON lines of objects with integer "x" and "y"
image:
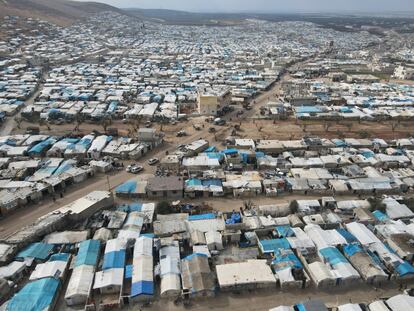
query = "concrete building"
{"x": 211, "y": 102}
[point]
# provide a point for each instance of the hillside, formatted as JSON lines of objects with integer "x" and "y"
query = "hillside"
{"x": 61, "y": 12}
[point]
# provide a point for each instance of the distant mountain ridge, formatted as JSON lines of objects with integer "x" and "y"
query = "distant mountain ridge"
{"x": 61, "y": 12}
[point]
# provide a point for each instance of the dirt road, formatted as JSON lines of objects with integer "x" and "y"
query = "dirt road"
{"x": 28, "y": 214}
{"x": 265, "y": 300}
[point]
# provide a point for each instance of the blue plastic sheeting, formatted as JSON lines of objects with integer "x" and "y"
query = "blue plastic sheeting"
{"x": 245, "y": 157}
{"x": 380, "y": 215}
{"x": 368, "y": 154}
{"x": 148, "y": 235}
{"x": 349, "y": 237}
{"x": 64, "y": 167}
{"x": 260, "y": 154}
{"x": 132, "y": 207}
{"x": 127, "y": 187}
{"x": 345, "y": 109}
{"x": 35, "y": 296}
{"x": 88, "y": 253}
{"x": 332, "y": 255}
{"x": 339, "y": 142}
{"x": 38, "y": 251}
{"x": 271, "y": 246}
{"x": 234, "y": 219}
{"x": 286, "y": 259}
{"x": 112, "y": 107}
{"x": 86, "y": 142}
{"x": 308, "y": 109}
{"x": 284, "y": 231}
{"x": 301, "y": 307}
{"x": 214, "y": 155}
{"x": 193, "y": 182}
{"x": 210, "y": 149}
{"x": 114, "y": 260}
{"x": 352, "y": 249}
{"x": 135, "y": 207}
{"x": 190, "y": 257}
{"x": 311, "y": 305}
{"x": 48, "y": 170}
{"x": 390, "y": 248}
{"x": 60, "y": 257}
{"x": 375, "y": 258}
{"x": 128, "y": 271}
{"x": 142, "y": 288}
{"x": 202, "y": 216}
{"x": 230, "y": 151}
{"x": 71, "y": 140}
{"x": 212, "y": 182}
{"x": 42, "y": 146}
{"x": 404, "y": 269}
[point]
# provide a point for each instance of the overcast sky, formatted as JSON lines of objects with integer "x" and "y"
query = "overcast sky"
{"x": 269, "y": 5}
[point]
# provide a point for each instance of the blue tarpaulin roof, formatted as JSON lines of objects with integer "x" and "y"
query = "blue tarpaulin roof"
{"x": 211, "y": 182}
{"x": 142, "y": 288}
{"x": 380, "y": 215}
{"x": 34, "y": 296}
{"x": 132, "y": 207}
{"x": 114, "y": 260}
{"x": 127, "y": 187}
{"x": 311, "y": 305}
{"x": 271, "y": 246}
{"x": 65, "y": 166}
{"x": 210, "y": 149}
{"x": 339, "y": 142}
{"x": 88, "y": 253}
{"x": 332, "y": 255}
{"x": 234, "y": 219}
{"x": 260, "y": 154}
{"x": 214, "y": 155}
{"x": 352, "y": 249}
{"x": 284, "y": 231}
{"x": 193, "y": 182}
{"x": 349, "y": 237}
{"x": 36, "y": 250}
{"x": 190, "y": 257}
{"x": 40, "y": 147}
{"x": 308, "y": 109}
{"x": 60, "y": 257}
{"x": 404, "y": 269}
{"x": 230, "y": 151}
{"x": 202, "y": 216}
{"x": 286, "y": 259}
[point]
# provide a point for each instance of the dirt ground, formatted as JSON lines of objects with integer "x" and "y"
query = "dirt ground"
{"x": 265, "y": 300}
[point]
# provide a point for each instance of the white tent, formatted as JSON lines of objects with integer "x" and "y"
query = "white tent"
{"x": 401, "y": 303}
{"x": 80, "y": 285}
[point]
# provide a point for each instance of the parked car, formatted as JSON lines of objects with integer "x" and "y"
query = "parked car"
{"x": 137, "y": 169}
{"x": 134, "y": 168}
{"x": 181, "y": 133}
{"x": 153, "y": 161}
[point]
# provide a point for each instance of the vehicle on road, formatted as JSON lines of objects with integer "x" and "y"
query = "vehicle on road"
{"x": 181, "y": 133}
{"x": 219, "y": 121}
{"x": 134, "y": 168}
{"x": 153, "y": 161}
{"x": 137, "y": 169}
